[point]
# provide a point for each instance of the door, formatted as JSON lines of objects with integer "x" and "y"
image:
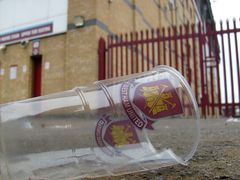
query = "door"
{"x": 37, "y": 75}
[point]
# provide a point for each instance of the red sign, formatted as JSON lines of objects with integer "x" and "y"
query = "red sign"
{"x": 27, "y": 33}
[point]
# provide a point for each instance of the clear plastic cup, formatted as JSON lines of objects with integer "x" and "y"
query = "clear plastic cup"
{"x": 132, "y": 123}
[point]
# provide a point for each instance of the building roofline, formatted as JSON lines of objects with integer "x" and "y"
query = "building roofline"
{"x": 210, "y": 9}
{"x": 196, "y": 8}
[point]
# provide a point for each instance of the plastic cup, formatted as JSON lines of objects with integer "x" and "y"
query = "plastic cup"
{"x": 132, "y": 123}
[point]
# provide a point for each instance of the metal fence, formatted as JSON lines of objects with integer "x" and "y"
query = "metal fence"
{"x": 206, "y": 54}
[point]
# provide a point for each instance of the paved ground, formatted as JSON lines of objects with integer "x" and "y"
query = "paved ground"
{"x": 217, "y": 157}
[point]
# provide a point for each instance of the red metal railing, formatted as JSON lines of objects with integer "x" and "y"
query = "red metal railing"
{"x": 207, "y": 56}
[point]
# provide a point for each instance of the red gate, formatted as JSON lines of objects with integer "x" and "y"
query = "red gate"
{"x": 207, "y": 56}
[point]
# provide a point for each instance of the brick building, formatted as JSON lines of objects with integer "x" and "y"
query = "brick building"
{"x": 58, "y": 51}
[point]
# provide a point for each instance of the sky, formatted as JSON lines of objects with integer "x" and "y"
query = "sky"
{"x": 225, "y": 9}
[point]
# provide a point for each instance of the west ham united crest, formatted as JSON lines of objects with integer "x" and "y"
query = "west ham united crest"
{"x": 144, "y": 103}
{"x": 112, "y": 135}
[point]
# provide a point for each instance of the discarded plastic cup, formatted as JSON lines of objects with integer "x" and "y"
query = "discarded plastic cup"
{"x": 132, "y": 123}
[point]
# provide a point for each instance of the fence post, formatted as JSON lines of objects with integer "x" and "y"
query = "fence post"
{"x": 201, "y": 42}
{"x": 101, "y": 59}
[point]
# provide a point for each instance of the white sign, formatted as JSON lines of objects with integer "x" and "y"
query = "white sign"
{"x": 30, "y": 19}
{"x": 47, "y": 65}
{"x": 13, "y": 72}
{"x": 1, "y": 72}
{"x": 36, "y": 44}
{"x": 24, "y": 68}
{"x": 36, "y": 47}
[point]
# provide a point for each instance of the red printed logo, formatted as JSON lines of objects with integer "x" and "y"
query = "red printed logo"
{"x": 113, "y": 134}
{"x": 155, "y": 100}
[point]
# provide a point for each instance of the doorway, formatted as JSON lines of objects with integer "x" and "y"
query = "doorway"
{"x": 36, "y": 75}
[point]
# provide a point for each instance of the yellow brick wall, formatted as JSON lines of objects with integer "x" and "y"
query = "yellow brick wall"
{"x": 81, "y": 65}
{"x": 86, "y": 8}
{"x": 16, "y": 88}
{"x": 53, "y": 51}
{"x": 81, "y": 46}
{"x": 146, "y": 15}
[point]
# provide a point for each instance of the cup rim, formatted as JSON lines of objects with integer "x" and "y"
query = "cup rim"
{"x": 189, "y": 91}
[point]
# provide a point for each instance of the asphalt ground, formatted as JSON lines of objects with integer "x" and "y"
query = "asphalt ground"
{"x": 217, "y": 156}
